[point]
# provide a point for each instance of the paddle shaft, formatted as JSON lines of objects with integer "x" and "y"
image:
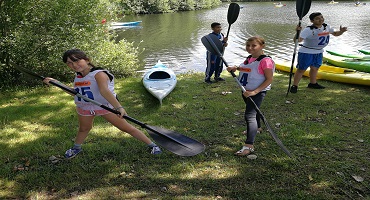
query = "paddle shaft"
{"x": 296, "y": 41}
{"x": 232, "y": 16}
{"x": 223, "y": 49}
{"x": 302, "y": 8}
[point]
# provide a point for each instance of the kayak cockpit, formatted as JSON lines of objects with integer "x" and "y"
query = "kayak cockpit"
{"x": 159, "y": 75}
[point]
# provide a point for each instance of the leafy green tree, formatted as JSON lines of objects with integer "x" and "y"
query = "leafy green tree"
{"x": 35, "y": 33}
{"x": 164, "y": 6}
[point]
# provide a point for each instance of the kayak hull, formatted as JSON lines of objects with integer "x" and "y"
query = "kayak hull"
{"x": 126, "y": 23}
{"x": 159, "y": 81}
{"x": 355, "y": 56}
{"x": 332, "y": 73}
{"x": 363, "y": 65}
{"x": 364, "y": 52}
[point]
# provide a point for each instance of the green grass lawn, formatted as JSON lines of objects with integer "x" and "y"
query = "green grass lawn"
{"x": 327, "y": 131}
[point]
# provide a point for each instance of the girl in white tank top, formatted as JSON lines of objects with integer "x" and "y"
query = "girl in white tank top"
{"x": 98, "y": 85}
{"x": 255, "y": 75}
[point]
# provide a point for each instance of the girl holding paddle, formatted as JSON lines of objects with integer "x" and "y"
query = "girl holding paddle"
{"x": 255, "y": 75}
{"x": 310, "y": 54}
{"x": 97, "y": 84}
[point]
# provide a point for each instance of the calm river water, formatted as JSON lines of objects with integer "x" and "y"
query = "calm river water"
{"x": 175, "y": 38}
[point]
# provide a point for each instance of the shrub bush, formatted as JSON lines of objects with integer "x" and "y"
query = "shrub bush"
{"x": 35, "y": 34}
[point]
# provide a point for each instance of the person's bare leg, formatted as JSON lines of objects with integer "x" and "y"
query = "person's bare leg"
{"x": 298, "y": 76}
{"x": 85, "y": 125}
{"x": 313, "y": 74}
{"x": 124, "y": 126}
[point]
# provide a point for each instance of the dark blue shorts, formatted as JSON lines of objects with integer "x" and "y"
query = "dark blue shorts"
{"x": 306, "y": 60}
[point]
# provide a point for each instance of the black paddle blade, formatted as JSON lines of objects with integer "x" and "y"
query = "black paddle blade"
{"x": 233, "y": 13}
{"x": 176, "y": 143}
{"x": 212, "y": 44}
{"x": 302, "y": 7}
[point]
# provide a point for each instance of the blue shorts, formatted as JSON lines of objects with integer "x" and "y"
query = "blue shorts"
{"x": 305, "y": 60}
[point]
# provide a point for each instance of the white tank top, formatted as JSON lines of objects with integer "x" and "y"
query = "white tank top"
{"x": 249, "y": 76}
{"x": 88, "y": 87}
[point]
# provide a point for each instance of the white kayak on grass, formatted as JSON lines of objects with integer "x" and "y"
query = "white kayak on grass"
{"x": 159, "y": 80}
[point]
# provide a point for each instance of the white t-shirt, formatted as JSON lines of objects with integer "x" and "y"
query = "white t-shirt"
{"x": 314, "y": 40}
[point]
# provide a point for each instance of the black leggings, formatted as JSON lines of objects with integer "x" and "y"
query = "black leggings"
{"x": 252, "y": 117}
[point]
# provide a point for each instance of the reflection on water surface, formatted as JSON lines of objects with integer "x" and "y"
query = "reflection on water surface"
{"x": 174, "y": 38}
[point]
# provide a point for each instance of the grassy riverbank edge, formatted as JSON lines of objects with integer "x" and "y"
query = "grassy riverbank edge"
{"x": 326, "y": 130}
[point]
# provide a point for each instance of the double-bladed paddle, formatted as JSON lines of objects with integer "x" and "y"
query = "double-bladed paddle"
{"x": 214, "y": 45}
{"x": 175, "y": 142}
{"x": 302, "y": 8}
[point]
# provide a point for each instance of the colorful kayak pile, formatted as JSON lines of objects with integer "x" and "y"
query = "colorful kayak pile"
{"x": 331, "y": 73}
{"x": 356, "y": 62}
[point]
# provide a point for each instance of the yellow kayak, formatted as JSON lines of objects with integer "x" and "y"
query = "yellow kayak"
{"x": 331, "y": 73}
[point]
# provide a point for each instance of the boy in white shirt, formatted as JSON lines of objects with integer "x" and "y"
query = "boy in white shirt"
{"x": 310, "y": 54}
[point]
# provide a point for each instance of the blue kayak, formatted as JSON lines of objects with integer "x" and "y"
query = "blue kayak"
{"x": 126, "y": 23}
